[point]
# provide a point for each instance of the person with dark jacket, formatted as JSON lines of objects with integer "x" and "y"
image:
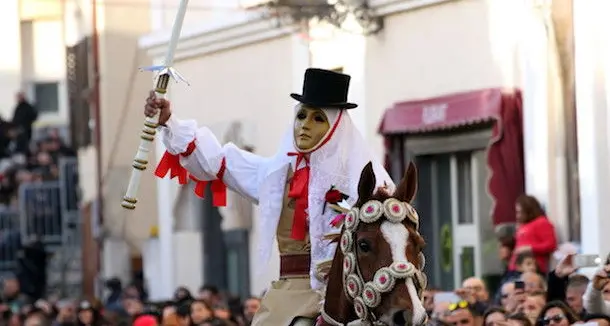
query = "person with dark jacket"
{"x": 24, "y": 116}
{"x": 559, "y": 281}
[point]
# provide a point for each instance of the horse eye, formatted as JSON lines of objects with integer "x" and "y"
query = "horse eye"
{"x": 364, "y": 246}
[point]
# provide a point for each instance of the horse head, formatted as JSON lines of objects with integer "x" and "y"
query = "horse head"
{"x": 376, "y": 275}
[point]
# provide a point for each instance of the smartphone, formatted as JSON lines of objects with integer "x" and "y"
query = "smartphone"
{"x": 585, "y": 261}
{"x": 519, "y": 285}
{"x": 447, "y": 297}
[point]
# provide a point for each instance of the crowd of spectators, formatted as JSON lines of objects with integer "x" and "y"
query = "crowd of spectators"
{"x": 24, "y": 159}
{"x": 126, "y": 306}
{"x": 530, "y": 292}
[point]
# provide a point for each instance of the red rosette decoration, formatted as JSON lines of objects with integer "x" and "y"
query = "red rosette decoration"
{"x": 334, "y": 197}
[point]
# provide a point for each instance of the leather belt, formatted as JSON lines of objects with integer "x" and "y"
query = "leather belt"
{"x": 294, "y": 265}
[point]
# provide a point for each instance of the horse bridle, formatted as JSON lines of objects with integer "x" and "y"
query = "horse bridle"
{"x": 367, "y": 296}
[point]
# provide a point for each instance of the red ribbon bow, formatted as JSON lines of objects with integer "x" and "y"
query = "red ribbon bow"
{"x": 171, "y": 164}
{"x": 299, "y": 191}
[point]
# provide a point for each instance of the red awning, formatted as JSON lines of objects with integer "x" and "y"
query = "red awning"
{"x": 505, "y": 150}
{"x": 444, "y": 112}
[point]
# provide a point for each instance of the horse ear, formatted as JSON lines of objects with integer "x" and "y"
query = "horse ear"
{"x": 408, "y": 185}
{"x": 366, "y": 185}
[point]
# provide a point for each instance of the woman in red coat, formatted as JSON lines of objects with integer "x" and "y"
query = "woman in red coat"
{"x": 534, "y": 233}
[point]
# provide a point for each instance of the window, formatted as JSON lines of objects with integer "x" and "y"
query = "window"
{"x": 464, "y": 186}
{"x": 46, "y": 96}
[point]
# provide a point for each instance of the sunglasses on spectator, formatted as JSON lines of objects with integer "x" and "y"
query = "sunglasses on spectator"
{"x": 459, "y": 305}
{"x": 556, "y": 319}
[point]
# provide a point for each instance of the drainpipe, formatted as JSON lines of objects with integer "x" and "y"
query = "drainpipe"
{"x": 98, "y": 122}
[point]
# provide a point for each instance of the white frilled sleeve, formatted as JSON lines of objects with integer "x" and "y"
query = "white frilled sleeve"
{"x": 204, "y": 159}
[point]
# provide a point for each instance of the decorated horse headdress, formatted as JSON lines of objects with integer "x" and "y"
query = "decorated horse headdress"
{"x": 379, "y": 264}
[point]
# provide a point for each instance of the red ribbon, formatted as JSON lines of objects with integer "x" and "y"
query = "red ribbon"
{"x": 171, "y": 164}
{"x": 299, "y": 191}
{"x": 218, "y": 187}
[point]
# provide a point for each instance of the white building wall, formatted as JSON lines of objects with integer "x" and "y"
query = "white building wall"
{"x": 454, "y": 46}
{"x": 10, "y": 57}
{"x": 48, "y": 64}
{"x": 544, "y": 134}
{"x": 592, "y": 50}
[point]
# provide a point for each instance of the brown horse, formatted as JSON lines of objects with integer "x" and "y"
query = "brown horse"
{"x": 376, "y": 274}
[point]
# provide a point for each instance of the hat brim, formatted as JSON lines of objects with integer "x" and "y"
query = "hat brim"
{"x": 343, "y": 105}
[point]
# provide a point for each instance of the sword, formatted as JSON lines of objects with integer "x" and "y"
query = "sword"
{"x": 164, "y": 73}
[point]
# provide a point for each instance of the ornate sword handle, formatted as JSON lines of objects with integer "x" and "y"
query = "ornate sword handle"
{"x": 147, "y": 137}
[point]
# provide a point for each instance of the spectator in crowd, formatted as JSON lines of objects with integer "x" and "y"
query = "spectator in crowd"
{"x": 183, "y": 312}
{"x": 474, "y": 291}
{"x": 24, "y": 116}
{"x": 182, "y": 294}
{"x": 535, "y": 233}
{"x": 556, "y": 313}
{"x": 463, "y": 314}
{"x": 87, "y": 315}
{"x": 251, "y": 306}
{"x": 575, "y": 290}
{"x": 132, "y": 304}
{"x": 66, "y": 313}
{"x": 534, "y": 282}
{"x": 533, "y": 305}
{"x": 210, "y": 294}
{"x": 441, "y": 312}
{"x": 518, "y": 319}
{"x": 494, "y": 316}
{"x": 12, "y": 297}
{"x": 145, "y": 320}
{"x": 429, "y": 300}
{"x": 506, "y": 296}
{"x": 597, "y": 296}
{"x": 113, "y": 301}
{"x": 203, "y": 315}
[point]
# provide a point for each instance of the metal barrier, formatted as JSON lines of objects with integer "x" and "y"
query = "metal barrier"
{"x": 41, "y": 214}
{"x": 10, "y": 240}
{"x": 49, "y": 211}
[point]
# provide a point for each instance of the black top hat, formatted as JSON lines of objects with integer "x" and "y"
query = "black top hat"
{"x": 325, "y": 89}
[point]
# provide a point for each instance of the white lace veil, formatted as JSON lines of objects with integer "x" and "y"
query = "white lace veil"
{"x": 339, "y": 163}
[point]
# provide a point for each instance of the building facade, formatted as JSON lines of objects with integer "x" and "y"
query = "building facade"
{"x": 105, "y": 96}
{"x": 468, "y": 94}
{"x": 34, "y": 58}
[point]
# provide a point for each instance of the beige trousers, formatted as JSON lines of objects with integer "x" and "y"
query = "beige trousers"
{"x": 286, "y": 300}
